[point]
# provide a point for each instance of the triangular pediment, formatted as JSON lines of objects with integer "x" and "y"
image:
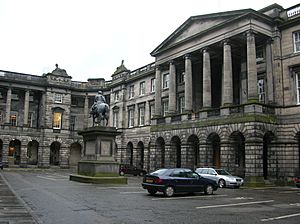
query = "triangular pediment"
{"x": 199, "y": 24}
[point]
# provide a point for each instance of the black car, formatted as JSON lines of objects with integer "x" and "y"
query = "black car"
{"x": 171, "y": 181}
{"x": 130, "y": 169}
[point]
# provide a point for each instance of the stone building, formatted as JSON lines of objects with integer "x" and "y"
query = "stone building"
{"x": 223, "y": 91}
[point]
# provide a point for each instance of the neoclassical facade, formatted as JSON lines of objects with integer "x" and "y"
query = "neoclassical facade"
{"x": 223, "y": 91}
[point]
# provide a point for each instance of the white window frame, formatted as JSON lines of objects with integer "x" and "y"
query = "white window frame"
{"x": 130, "y": 117}
{"x": 165, "y": 107}
{"x": 166, "y": 81}
{"x": 261, "y": 90}
{"x": 30, "y": 119}
{"x": 141, "y": 116}
{"x": 153, "y": 85}
{"x": 117, "y": 95}
{"x": 142, "y": 88}
{"x": 181, "y": 104}
{"x": 296, "y": 41}
{"x": 131, "y": 91}
{"x": 57, "y": 123}
{"x": 72, "y": 123}
{"x": 115, "y": 118}
{"x": 58, "y": 98}
{"x": 297, "y": 74}
{"x": 13, "y": 120}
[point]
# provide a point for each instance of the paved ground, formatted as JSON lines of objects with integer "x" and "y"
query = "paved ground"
{"x": 51, "y": 198}
{"x": 12, "y": 209}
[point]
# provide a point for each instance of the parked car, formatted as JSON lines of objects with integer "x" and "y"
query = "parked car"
{"x": 171, "y": 181}
{"x": 221, "y": 176}
{"x": 130, "y": 169}
{"x": 297, "y": 181}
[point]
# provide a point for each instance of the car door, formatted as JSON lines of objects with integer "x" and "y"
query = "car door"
{"x": 179, "y": 180}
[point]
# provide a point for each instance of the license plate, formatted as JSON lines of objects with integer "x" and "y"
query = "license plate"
{"x": 149, "y": 181}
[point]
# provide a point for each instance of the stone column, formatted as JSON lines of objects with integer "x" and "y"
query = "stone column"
{"x": 86, "y": 111}
{"x": 26, "y": 108}
{"x": 251, "y": 67}
{"x": 188, "y": 85}
{"x": 42, "y": 110}
{"x": 206, "y": 79}
{"x": 23, "y": 154}
{"x": 227, "y": 95}
{"x": 8, "y": 106}
{"x": 269, "y": 68}
{"x": 158, "y": 91}
{"x": 172, "y": 87}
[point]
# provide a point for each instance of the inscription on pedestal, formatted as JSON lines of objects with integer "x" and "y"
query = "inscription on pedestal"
{"x": 106, "y": 148}
{"x": 90, "y": 148}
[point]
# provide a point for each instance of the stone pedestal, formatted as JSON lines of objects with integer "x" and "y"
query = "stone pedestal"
{"x": 98, "y": 164}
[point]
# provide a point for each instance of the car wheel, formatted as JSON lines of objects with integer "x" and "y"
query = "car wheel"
{"x": 169, "y": 191}
{"x": 122, "y": 173}
{"x": 209, "y": 189}
{"x": 222, "y": 183}
{"x": 151, "y": 192}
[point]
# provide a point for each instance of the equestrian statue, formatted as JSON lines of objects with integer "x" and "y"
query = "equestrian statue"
{"x": 100, "y": 109}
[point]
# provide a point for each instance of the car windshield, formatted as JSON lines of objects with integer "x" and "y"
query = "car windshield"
{"x": 223, "y": 172}
{"x": 159, "y": 172}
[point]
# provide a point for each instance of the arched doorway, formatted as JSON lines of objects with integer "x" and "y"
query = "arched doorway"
{"x": 14, "y": 152}
{"x": 140, "y": 155}
{"x": 32, "y": 152}
{"x": 160, "y": 152}
{"x": 237, "y": 143}
{"x": 75, "y": 154}
{"x": 129, "y": 153}
{"x": 193, "y": 151}
{"x": 214, "y": 152}
{"x": 54, "y": 153}
{"x": 176, "y": 150}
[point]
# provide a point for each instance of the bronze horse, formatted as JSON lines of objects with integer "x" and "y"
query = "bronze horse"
{"x": 100, "y": 112}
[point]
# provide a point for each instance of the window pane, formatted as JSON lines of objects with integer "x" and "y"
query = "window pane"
{"x": 57, "y": 120}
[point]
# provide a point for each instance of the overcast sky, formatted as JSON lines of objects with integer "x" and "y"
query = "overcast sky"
{"x": 90, "y": 38}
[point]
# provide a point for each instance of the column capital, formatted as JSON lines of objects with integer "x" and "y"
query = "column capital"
{"x": 269, "y": 40}
{"x": 205, "y": 50}
{"x": 172, "y": 61}
{"x": 187, "y": 56}
{"x": 250, "y": 33}
{"x": 226, "y": 42}
{"x": 158, "y": 67}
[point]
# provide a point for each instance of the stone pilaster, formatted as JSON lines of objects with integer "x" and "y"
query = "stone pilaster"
{"x": 227, "y": 95}
{"x": 8, "y": 106}
{"x": 172, "y": 87}
{"x": 158, "y": 92}
{"x": 206, "y": 79}
{"x": 23, "y": 155}
{"x": 251, "y": 67}
{"x": 26, "y": 108}
{"x": 86, "y": 111}
{"x": 269, "y": 68}
{"x": 42, "y": 110}
{"x": 188, "y": 85}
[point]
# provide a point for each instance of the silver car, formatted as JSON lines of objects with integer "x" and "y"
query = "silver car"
{"x": 221, "y": 176}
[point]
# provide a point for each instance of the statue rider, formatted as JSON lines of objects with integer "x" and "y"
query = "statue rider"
{"x": 99, "y": 98}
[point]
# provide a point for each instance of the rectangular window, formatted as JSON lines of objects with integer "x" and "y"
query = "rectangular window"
{"x": 260, "y": 56}
{"x": 115, "y": 119}
{"x": 261, "y": 90}
{"x": 30, "y": 119}
{"x": 13, "y": 120}
{"x": 298, "y": 86}
{"x": 57, "y": 120}
{"x": 181, "y": 104}
{"x": 165, "y": 107}
{"x": 166, "y": 81}
{"x": 142, "y": 88}
{"x": 181, "y": 77}
{"x": 72, "y": 123}
{"x": 296, "y": 41}
{"x": 152, "y": 85}
{"x": 131, "y": 92}
{"x": 116, "y": 96}
{"x": 58, "y": 98}
{"x": 1, "y": 117}
{"x": 130, "y": 118}
{"x": 142, "y": 116}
